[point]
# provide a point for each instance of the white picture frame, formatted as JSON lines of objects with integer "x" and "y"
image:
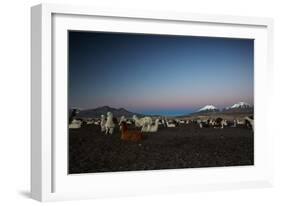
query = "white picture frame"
{"x": 49, "y": 178}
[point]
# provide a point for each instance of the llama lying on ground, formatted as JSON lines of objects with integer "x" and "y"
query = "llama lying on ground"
{"x": 89, "y": 121}
{"x": 102, "y": 123}
{"x": 75, "y": 124}
{"x": 98, "y": 122}
{"x": 203, "y": 123}
{"x": 240, "y": 122}
{"x": 219, "y": 123}
{"x": 145, "y": 122}
{"x": 109, "y": 124}
{"x": 182, "y": 122}
{"x": 170, "y": 124}
{"x": 130, "y": 135}
{"x": 153, "y": 128}
{"x": 212, "y": 122}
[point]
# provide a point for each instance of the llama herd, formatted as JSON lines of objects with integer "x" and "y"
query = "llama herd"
{"x": 108, "y": 124}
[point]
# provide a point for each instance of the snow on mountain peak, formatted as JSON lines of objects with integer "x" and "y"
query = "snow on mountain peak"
{"x": 208, "y": 107}
{"x": 240, "y": 105}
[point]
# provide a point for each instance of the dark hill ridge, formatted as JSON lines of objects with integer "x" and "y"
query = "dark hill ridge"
{"x": 232, "y": 111}
{"x": 97, "y": 112}
{"x": 239, "y": 110}
{"x": 224, "y": 111}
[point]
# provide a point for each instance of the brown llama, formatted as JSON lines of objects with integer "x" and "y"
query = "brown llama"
{"x": 130, "y": 135}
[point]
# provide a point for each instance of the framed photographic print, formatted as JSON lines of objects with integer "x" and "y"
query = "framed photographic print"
{"x": 138, "y": 102}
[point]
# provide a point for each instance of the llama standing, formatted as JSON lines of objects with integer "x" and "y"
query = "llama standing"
{"x": 109, "y": 125}
{"x": 223, "y": 123}
{"x": 163, "y": 123}
{"x": 72, "y": 115}
{"x": 153, "y": 128}
{"x": 170, "y": 124}
{"x": 90, "y": 121}
{"x": 144, "y": 122}
{"x": 234, "y": 123}
{"x": 102, "y": 123}
{"x": 122, "y": 119}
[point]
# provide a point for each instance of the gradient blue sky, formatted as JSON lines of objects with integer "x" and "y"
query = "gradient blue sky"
{"x": 158, "y": 74}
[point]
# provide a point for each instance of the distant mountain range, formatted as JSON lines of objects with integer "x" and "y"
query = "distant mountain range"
{"x": 240, "y": 107}
{"x": 97, "y": 112}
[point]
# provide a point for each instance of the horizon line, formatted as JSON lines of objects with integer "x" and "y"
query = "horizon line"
{"x": 176, "y": 113}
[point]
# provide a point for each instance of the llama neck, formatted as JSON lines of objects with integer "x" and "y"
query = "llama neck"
{"x": 156, "y": 124}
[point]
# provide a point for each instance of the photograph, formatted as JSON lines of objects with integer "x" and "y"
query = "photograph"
{"x": 139, "y": 102}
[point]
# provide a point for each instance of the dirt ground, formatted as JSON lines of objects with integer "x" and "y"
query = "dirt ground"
{"x": 186, "y": 146}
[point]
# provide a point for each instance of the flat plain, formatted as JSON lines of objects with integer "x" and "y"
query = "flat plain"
{"x": 185, "y": 146}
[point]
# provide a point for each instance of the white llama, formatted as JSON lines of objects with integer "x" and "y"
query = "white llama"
{"x": 251, "y": 121}
{"x": 223, "y": 123}
{"x": 153, "y": 128}
{"x": 144, "y": 122}
{"x": 109, "y": 125}
{"x": 122, "y": 119}
{"x": 170, "y": 124}
{"x": 75, "y": 124}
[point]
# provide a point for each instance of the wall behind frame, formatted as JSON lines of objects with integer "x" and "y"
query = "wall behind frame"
{"x": 15, "y": 100}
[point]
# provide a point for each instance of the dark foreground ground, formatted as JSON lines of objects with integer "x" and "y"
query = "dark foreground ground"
{"x": 169, "y": 148}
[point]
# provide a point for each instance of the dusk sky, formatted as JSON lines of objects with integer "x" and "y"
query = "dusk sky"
{"x": 158, "y": 74}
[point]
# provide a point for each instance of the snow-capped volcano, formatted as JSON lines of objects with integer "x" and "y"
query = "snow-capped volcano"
{"x": 240, "y": 105}
{"x": 208, "y": 108}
